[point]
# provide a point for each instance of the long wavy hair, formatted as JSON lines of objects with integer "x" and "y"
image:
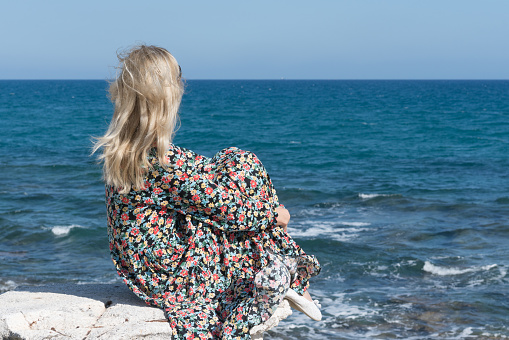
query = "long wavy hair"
{"x": 147, "y": 93}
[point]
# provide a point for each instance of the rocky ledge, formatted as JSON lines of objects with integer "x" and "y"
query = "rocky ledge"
{"x": 90, "y": 311}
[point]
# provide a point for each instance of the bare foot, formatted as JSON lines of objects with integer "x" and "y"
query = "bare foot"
{"x": 307, "y": 296}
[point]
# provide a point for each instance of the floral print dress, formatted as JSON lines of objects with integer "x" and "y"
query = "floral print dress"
{"x": 200, "y": 241}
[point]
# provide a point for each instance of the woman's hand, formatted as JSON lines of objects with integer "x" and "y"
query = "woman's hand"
{"x": 283, "y": 217}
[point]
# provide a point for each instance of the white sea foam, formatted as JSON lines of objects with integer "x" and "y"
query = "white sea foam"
{"x": 464, "y": 334}
{"x": 64, "y": 230}
{"x": 494, "y": 335}
{"x": 503, "y": 273}
{"x": 102, "y": 280}
{"x": 322, "y": 232}
{"x": 7, "y": 285}
{"x": 443, "y": 271}
{"x": 370, "y": 196}
{"x": 333, "y": 230}
{"x": 355, "y": 224}
{"x": 322, "y": 211}
{"x": 446, "y": 257}
{"x": 338, "y": 307}
{"x": 482, "y": 280}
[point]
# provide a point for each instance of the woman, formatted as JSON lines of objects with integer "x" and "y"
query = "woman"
{"x": 203, "y": 238}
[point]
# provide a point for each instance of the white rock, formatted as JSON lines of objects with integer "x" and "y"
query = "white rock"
{"x": 90, "y": 311}
{"x": 69, "y": 311}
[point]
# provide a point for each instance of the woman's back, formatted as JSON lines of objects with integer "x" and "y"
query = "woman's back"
{"x": 196, "y": 236}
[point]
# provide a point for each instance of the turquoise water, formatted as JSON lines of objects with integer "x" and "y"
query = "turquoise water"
{"x": 401, "y": 189}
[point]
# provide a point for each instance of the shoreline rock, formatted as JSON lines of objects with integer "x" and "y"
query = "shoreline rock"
{"x": 91, "y": 311}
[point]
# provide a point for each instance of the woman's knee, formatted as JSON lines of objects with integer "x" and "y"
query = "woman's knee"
{"x": 273, "y": 276}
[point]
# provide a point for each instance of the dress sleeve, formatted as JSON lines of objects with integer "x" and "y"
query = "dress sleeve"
{"x": 191, "y": 186}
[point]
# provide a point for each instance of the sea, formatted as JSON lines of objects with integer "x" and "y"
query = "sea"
{"x": 399, "y": 187}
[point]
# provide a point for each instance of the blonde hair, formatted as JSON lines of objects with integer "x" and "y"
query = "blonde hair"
{"x": 147, "y": 94}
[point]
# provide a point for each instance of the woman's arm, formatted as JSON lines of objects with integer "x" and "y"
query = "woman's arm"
{"x": 191, "y": 187}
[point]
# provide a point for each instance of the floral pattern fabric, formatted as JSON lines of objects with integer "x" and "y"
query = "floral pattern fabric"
{"x": 200, "y": 241}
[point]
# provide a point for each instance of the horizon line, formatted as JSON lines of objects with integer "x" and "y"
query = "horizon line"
{"x": 282, "y": 79}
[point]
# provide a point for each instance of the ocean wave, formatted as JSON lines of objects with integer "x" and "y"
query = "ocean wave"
{"x": 502, "y": 200}
{"x": 340, "y": 307}
{"x": 444, "y": 271}
{"x": 333, "y": 230}
{"x": 370, "y": 196}
{"x": 64, "y": 230}
{"x": 101, "y": 280}
{"x": 307, "y": 212}
{"x": 355, "y": 224}
{"x": 496, "y": 278}
{"x": 7, "y": 285}
{"x": 17, "y": 254}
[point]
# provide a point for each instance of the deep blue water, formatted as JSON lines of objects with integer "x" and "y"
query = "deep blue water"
{"x": 401, "y": 189}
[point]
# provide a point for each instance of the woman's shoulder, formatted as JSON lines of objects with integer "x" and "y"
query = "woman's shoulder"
{"x": 229, "y": 150}
{"x": 177, "y": 155}
{"x": 234, "y": 153}
{"x": 181, "y": 152}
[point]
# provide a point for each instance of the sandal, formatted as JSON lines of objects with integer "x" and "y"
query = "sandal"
{"x": 303, "y": 305}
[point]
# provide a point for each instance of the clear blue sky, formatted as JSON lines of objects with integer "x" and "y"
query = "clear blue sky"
{"x": 263, "y": 39}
